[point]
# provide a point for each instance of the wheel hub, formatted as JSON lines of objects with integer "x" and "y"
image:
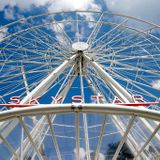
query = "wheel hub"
{"x": 80, "y": 46}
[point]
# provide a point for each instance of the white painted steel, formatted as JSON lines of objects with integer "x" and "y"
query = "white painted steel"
{"x": 54, "y": 139}
{"x": 86, "y": 108}
{"x": 25, "y": 80}
{"x": 43, "y": 109}
{"x": 100, "y": 137}
{"x": 147, "y": 142}
{"x": 119, "y": 125}
{"x": 10, "y": 148}
{"x": 41, "y": 88}
{"x": 123, "y": 140}
{"x": 77, "y": 136}
{"x": 46, "y": 83}
{"x": 30, "y": 138}
{"x": 117, "y": 88}
{"x": 66, "y": 50}
{"x": 40, "y": 124}
{"x": 84, "y": 115}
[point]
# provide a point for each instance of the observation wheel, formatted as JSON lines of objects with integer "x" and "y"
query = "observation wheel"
{"x": 80, "y": 85}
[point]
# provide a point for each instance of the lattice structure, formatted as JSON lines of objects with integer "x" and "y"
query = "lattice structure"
{"x": 80, "y": 85}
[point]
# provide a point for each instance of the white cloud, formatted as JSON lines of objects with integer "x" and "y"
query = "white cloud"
{"x": 101, "y": 156}
{"x": 82, "y": 153}
{"x": 156, "y": 84}
{"x": 58, "y": 29}
{"x": 51, "y": 5}
{"x": 22, "y": 4}
{"x": 3, "y": 33}
{"x": 71, "y": 5}
{"x": 145, "y": 9}
{"x": 8, "y": 7}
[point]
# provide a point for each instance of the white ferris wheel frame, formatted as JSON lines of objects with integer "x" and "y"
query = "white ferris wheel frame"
{"x": 47, "y": 109}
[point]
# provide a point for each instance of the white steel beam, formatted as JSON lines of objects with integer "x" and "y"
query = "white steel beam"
{"x": 147, "y": 142}
{"x": 7, "y": 127}
{"x": 86, "y": 136}
{"x": 40, "y": 90}
{"x": 95, "y": 31}
{"x": 25, "y": 79}
{"x": 41, "y": 109}
{"x": 100, "y": 137}
{"x": 27, "y": 91}
{"x": 77, "y": 136}
{"x": 117, "y": 88}
{"x": 93, "y": 108}
{"x": 40, "y": 141}
{"x": 123, "y": 140}
{"x": 40, "y": 124}
{"x": 93, "y": 88}
{"x": 26, "y": 145}
{"x": 65, "y": 80}
{"x": 64, "y": 92}
{"x": 120, "y": 126}
{"x": 47, "y": 82}
{"x": 30, "y": 138}
{"x": 84, "y": 115}
{"x": 10, "y": 148}
{"x": 107, "y": 33}
{"x": 131, "y": 142}
{"x": 54, "y": 139}
{"x": 21, "y": 145}
{"x": 86, "y": 108}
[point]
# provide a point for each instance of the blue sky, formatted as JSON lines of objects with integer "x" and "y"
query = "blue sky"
{"x": 16, "y": 9}
{"x": 11, "y": 10}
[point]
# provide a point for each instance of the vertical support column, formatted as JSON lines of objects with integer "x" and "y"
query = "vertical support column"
{"x": 21, "y": 146}
{"x": 27, "y": 91}
{"x": 77, "y": 136}
{"x": 100, "y": 137}
{"x": 54, "y": 137}
{"x": 84, "y": 115}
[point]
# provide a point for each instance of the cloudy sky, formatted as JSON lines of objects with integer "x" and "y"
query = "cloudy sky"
{"x": 11, "y": 10}
{"x": 15, "y": 9}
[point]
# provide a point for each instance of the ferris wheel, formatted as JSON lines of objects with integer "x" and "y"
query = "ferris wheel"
{"x": 80, "y": 85}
